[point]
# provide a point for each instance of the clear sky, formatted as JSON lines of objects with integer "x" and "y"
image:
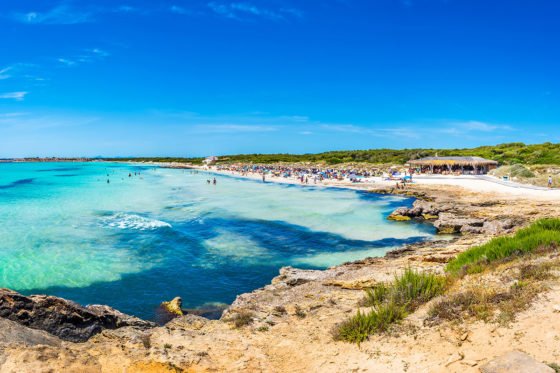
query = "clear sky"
{"x": 191, "y": 77}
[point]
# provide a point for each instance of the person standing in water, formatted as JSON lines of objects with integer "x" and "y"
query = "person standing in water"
{"x": 264, "y": 178}
{"x": 214, "y": 181}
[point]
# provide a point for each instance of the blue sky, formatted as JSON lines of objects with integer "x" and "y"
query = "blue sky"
{"x": 190, "y": 77}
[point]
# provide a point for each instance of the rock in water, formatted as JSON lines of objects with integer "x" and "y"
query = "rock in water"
{"x": 515, "y": 362}
{"x": 174, "y": 306}
{"x": 169, "y": 310}
{"x": 65, "y": 319}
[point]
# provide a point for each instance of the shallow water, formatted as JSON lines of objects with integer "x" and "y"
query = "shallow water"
{"x": 139, "y": 240}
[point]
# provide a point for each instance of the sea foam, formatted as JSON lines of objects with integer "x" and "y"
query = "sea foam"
{"x": 123, "y": 220}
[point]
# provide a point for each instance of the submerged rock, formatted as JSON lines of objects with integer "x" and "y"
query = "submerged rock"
{"x": 62, "y": 318}
{"x": 398, "y": 217}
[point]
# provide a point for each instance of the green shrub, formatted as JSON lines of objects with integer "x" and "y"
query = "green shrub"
{"x": 391, "y": 303}
{"x": 515, "y": 170}
{"x": 541, "y": 234}
{"x": 508, "y": 154}
{"x": 412, "y": 288}
{"x": 359, "y": 327}
{"x": 242, "y": 318}
{"x": 375, "y": 295}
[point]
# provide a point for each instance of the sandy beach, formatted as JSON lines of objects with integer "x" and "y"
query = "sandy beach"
{"x": 481, "y": 184}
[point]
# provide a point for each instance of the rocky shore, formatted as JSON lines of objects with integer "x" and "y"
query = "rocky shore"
{"x": 286, "y": 326}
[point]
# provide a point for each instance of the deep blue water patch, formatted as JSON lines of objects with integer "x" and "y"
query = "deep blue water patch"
{"x": 147, "y": 238}
{"x": 59, "y": 169}
{"x": 17, "y": 183}
{"x": 184, "y": 268}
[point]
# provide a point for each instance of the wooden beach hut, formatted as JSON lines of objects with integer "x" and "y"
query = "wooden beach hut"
{"x": 453, "y": 165}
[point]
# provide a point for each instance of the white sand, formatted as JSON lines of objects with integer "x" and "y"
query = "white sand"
{"x": 472, "y": 183}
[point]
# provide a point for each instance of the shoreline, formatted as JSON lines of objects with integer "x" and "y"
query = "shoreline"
{"x": 486, "y": 184}
{"x": 289, "y": 320}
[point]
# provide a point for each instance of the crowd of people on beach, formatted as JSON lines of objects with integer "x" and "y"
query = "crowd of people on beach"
{"x": 318, "y": 175}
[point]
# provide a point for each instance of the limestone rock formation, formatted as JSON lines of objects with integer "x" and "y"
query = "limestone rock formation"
{"x": 65, "y": 319}
{"x": 515, "y": 362}
{"x": 12, "y": 332}
{"x": 448, "y": 223}
{"x": 420, "y": 210}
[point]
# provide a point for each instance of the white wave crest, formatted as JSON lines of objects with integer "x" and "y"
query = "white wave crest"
{"x": 122, "y": 220}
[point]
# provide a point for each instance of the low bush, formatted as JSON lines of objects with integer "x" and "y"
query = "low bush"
{"x": 242, "y": 318}
{"x": 391, "y": 303}
{"x": 515, "y": 170}
{"x": 359, "y": 327}
{"x": 541, "y": 234}
{"x": 486, "y": 305}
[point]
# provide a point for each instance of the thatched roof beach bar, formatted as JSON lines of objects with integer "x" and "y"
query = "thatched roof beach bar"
{"x": 449, "y": 165}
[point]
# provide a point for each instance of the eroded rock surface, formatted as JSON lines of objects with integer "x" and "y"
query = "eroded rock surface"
{"x": 62, "y": 318}
{"x": 515, "y": 362}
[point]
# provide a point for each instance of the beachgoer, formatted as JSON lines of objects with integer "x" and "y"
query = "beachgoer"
{"x": 550, "y": 181}
{"x": 208, "y": 181}
{"x": 108, "y": 181}
{"x": 264, "y": 178}
{"x": 214, "y": 181}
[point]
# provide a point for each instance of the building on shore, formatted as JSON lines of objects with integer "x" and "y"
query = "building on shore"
{"x": 210, "y": 160}
{"x": 453, "y": 165}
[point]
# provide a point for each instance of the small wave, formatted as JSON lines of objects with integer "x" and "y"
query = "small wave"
{"x": 132, "y": 221}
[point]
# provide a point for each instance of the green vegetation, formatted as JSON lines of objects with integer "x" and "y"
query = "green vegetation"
{"x": 540, "y": 235}
{"x": 515, "y": 170}
{"x": 486, "y": 305}
{"x": 390, "y": 304}
{"x": 491, "y": 305}
{"x": 299, "y": 312}
{"x": 242, "y": 318}
{"x": 358, "y": 328}
{"x": 508, "y": 154}
{"x": 194, "y": 160}
{"x": 411, "y": 289}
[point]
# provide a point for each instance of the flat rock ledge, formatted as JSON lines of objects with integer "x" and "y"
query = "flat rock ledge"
{"x": 62, "y": 318}
{"x": 515, "y": 362}
{"x": 450, "y": 218}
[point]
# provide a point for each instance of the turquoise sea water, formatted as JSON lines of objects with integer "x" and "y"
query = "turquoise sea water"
{"x": 137, "y": 241}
